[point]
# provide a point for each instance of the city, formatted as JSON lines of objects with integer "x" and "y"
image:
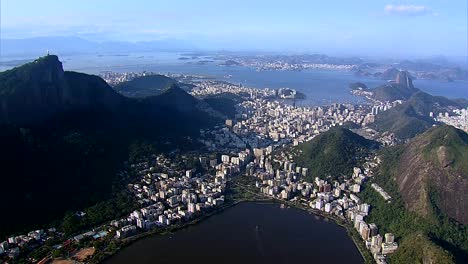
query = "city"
{"x": 170, "y": 194}
{"x": 233, "y": 132}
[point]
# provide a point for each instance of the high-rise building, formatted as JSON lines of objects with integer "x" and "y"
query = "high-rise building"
{"x": 377, "y": 240}
{"x": 373, "y": 229}
{"x": 365, "y": 232}
{"x": 389, "y": 238}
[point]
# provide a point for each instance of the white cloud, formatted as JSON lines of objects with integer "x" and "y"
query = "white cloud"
{"x": 408, "y": 10}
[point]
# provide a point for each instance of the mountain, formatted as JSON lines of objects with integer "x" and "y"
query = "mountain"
{"x": 400, "y": 89}
{"x": 161, "y": 90}
{"x": 145, "y": 86}
{"x": 412, "y": 117}
{"x": 176, "y": 98}
{"x": 427, "y": 178}
{"x": 404, "y": 80}
{"x": 388, "y": 74}
{"x": 75, "y": 45}
{"x": 392, "y": 92}
{"x": 333, "y": 153}
{"x": 224, "y": 103}
{"x": 433, "y": 173}
{"x": 66, "y": 135}
{"x": 40, "y": 89}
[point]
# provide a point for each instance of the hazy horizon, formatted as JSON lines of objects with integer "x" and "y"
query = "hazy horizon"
{"x": 375, "y": 28}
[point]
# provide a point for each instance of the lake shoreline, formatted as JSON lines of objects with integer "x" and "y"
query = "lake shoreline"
{"x": 349, "y": 230}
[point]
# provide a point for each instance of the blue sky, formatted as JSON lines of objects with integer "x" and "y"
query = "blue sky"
{"x": 413, "y": 27}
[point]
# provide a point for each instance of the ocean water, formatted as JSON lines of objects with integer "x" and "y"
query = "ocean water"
{"x": 319, "y": 86}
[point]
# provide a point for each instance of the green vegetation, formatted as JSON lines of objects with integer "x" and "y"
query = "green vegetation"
{"x": 66, "y": 135}
{"x": 55, "y": 166}
{"x": 145, "y": 86}
{"x": 435, "y": 240}
{"x": 392, "y": 92}
{"x": 403, "y": 121}
{"x": 120, "y": 204}
{"x": 418, "y": 248}
{"x": 12, "y": 79}
{"x": 242, "y": 188}
{"x": 412, "y": 117}
{"x": 224, "y": 103}
{"x": 333, "y": 153}
{"x": 454, "y": 145}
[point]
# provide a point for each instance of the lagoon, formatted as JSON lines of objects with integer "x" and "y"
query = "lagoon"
{"x": 248, "y": 233}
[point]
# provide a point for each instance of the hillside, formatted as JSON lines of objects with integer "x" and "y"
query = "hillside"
{"x": 224, "y": 103}
{"x": 412, "y": 117}
{"x": 37, "y": 90}
{"x": 436, "y": 163}
{"x": 65, "y": 135}
{"x": 427, "y": 177}
{"x": 145, "y": 86}
{"x": 333, "y": 153}
{"x": 400, "y": 89}
{"x": 391, "y": 92}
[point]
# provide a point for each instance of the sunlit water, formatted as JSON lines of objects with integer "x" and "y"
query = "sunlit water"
{"x": 319, "y": 86}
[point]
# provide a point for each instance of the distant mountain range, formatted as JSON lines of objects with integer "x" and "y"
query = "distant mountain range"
{"x": 75, "y": 45}
{"x": 64, "y": 136}
{"x": 420, "y": 70}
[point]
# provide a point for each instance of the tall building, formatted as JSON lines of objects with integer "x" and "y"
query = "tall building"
{"x": 225, "y": 158}
{"x": 365, "y": 232}
{"x": 377, "y": 240}
{"x": 373, "y": 230}
{"x": 389, "y": 238}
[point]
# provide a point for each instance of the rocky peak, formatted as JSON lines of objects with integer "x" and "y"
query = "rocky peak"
{"x": 404, "y": 80}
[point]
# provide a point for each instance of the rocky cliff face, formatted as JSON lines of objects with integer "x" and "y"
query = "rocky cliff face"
{"x": 401, "y": 88}
{"x": 404, "y": 80}
{"x": 433, "y": 173}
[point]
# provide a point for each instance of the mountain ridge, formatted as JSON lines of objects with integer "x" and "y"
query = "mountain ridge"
{"x": 412, "y": 117}
{"x": 37, "y": 90}
{"x": 67, "y": 134}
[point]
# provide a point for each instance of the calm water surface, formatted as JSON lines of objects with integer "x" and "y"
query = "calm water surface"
{"x": 248, "y": 233}
{"x": 321, "y": 87}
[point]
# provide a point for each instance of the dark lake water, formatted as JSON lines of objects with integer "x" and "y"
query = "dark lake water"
{"x": 248, "y": 233}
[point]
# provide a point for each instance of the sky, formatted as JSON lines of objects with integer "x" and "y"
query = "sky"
{"x": 413, "y": 27}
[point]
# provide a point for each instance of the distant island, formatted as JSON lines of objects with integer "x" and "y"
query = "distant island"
{"x": 288, "y": 93}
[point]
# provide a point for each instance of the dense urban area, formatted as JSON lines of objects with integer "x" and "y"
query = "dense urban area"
{"x": 253, "y": 152}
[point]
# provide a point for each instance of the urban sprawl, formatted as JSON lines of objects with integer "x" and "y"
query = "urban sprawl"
{"x": 248, "y": 146}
